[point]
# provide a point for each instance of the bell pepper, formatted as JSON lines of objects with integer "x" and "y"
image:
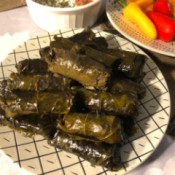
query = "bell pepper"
{"x": 149, "y": 8}
{"x": 172, "y": 2}
{"x": 163, "y": 6}
{"x": 135, "y": 14}
{"x": 165, "y": 25}
{"x": 143, "y": 4}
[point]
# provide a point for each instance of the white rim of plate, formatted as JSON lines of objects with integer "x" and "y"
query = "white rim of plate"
{"x": 131, "y": 32}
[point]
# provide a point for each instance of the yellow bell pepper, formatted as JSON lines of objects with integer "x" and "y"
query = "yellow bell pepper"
{"x": 135, "y": 14}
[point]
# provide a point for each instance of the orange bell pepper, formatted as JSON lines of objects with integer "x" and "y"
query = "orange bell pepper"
{"x": 149, "y": 8}
{"x": 143, "y": 4}
{"x": 172, "y": 2}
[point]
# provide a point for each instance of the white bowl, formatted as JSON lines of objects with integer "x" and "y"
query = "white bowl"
{"x": 54, "y": 18}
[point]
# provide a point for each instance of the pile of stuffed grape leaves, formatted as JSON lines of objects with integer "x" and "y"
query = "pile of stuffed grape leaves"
{"x": 81, "y": 96}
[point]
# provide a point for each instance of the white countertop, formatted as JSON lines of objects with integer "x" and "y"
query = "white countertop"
{"x": 14, "y": 22}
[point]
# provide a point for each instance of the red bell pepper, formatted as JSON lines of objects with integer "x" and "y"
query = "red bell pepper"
{"x": 165, "y": 25}
{"x": 163, "y": 6}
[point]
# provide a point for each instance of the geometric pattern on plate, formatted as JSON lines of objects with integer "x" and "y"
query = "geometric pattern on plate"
{"x": 36, "y": 156}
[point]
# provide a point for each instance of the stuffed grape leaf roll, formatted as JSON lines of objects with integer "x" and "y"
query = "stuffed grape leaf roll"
{"x": 30, "y": 125}
{"x": 124, "y": 85}
{"x": 118, "y": 103}
{"x": 94, "y": 127}
{"x": 32, "y": 66}
{"x": 45, "y": 82}
{"x": 81, "y": 68}
{"x": 25, "y": 103}
{"x": 87, "y": 37}
{"x": 102, "y": 154}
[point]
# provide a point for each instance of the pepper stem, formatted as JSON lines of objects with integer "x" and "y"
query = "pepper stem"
{"x": 122, "y": 3}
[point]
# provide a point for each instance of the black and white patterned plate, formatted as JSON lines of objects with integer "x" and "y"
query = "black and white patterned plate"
{"x": 36, "y": 156}
{"x": 132, "y": 32}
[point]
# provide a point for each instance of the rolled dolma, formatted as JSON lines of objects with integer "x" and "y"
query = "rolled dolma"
{"x": 128, "y": 63}
{"x": 45, "y": 82}
{"x": 117, "y": 104}
{"x": 94, "y": 127}
{"x": 25, "y": 103}
{"x": 32, "y": 66}
{"x": 84, "y": 36}
{"x": 124, "y": 85}
{"x": 103, "y": 154}
{"x": 88, "y": 37}
{"x": 81, "y": 68}
{"x": 31, "y": 125}
{"x": 131, "y": 65}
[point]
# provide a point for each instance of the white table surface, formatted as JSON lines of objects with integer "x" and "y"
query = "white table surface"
{"x": 18, "y": 21}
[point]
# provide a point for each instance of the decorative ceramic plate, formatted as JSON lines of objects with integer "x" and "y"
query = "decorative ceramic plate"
{"x": 132, "y": 32}
{"x": 37, "y": 157}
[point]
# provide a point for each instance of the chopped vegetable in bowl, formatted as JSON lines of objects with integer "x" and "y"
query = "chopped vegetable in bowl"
{"x": 63, "y": 3}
